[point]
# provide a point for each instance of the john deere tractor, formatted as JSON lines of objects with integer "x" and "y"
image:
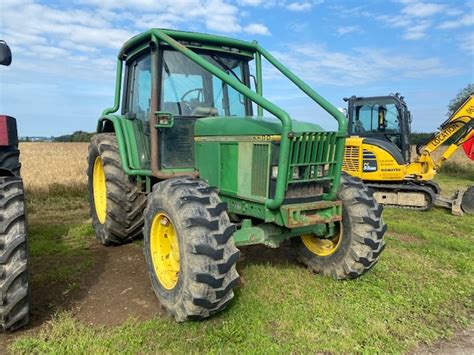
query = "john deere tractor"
{"x": 187, "y": 163}
{"x": 14, "y": 277}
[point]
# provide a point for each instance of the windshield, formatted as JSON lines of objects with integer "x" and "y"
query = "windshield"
{"x": 190, "y": 90}
{"x": 375, "y": 117}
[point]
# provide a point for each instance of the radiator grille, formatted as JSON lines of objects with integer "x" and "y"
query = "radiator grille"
{"x": 312, "y": 157}
{"x": 351, "y": 159}
{"x": 260, "y": 170}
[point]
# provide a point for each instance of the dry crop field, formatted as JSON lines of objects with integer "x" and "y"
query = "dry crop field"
{"x": 47, "y": 164}
{"x": 93, "y": 299}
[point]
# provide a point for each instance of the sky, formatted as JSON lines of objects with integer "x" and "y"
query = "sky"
{"x": 64, "y": 52}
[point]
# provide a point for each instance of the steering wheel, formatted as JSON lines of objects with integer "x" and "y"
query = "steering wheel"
{"x": 190, "y": 105}
{"x": 199, "y": 90}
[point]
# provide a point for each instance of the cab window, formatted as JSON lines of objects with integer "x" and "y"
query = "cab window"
{"x": 139, "y": 100}
{"x": 376, "y": 118}
{"x": 190, "y": 90}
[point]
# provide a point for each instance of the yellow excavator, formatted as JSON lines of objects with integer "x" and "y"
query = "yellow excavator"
{"x": 378, "y": 151}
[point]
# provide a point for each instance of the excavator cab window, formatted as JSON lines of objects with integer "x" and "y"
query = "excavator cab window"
{"x": 378, "y": 118}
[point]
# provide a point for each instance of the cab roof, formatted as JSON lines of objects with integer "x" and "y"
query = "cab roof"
{"x": 190, "y": 39}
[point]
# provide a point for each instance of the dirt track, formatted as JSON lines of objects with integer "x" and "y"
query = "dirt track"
{"x": 117, "y": 288}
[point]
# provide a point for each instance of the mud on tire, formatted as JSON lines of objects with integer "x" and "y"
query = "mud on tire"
{"x": 362, "y": 238}
{"x": 125, "y": 203}
{"x": 207, "y": 273}
{"x": 14, "y": 274}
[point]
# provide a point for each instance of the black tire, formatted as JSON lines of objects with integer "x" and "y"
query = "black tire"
{"x": 207, "y": 253}
{"x": 362, "y": 241}
{"x": 14, "y": 273}
{"x": 124, "y": 201}
{"x": 467, "y": 202}
{"x": 10, "y": 160}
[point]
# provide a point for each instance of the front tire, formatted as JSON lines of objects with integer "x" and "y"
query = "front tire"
{"x": 14, "y": 273}
{"x": 358, "y": 242}
{"x": 116, "y": 203}
{"x": 189, "y": 249}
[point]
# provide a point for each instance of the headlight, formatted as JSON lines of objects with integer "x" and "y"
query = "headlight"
{"x": 320, "y": 170}
{"x": 274, "y": 172}
{"x": 316, "y": 171}
{"x": 296, "y": 173}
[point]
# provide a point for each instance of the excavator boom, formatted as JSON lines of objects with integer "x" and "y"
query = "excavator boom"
{"x": 460, "y": 121}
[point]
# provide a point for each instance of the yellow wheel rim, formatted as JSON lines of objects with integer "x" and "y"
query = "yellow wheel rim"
{"x": 323, "y": 247}
{"x": 164, "y": 248}
{"x": 100, "y": 190}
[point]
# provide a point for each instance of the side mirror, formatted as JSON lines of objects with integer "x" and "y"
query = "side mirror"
{"x": 164, "y": 119}
{"x": 5, "y": 54}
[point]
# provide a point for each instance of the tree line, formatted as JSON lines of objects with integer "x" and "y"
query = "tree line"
{"x": 78, "y": 136}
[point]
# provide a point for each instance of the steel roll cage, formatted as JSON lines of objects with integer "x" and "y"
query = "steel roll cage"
{"x": 172, "y": 38}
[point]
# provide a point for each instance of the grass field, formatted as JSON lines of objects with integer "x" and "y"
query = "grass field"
{"x": 419, "y": 292}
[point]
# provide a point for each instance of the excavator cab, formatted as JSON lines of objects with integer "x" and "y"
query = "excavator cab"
{"x": 382, "y": 120}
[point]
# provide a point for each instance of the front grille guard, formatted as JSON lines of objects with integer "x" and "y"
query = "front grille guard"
{"x": 313, "y": 159}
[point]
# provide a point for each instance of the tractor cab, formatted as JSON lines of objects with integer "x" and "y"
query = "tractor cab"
{"x": 383, "y": 121}
{"x": 185, "y": 92}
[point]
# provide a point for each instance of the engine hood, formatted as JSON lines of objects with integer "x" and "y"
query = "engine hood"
{"x": 245, "y": 126}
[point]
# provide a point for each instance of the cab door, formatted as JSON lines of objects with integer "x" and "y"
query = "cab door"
{"x": 136, "y": 107}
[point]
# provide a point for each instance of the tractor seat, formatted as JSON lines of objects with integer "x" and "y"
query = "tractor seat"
{"x": 205, "y": 111}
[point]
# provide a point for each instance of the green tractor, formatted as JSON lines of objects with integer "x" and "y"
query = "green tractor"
{"x": 188, "y": 164}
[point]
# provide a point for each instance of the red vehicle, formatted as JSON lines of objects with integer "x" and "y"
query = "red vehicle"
{"x": 14, "y": 273}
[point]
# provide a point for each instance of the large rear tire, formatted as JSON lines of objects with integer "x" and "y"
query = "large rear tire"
{"x": 189, "y": 249}
{"x": 358, "y": 242}
{"x": 14, "y": 274}
{"x": 116, "y": 203}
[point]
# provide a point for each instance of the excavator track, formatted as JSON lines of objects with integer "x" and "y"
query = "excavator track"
{"x": 407, "y": 195}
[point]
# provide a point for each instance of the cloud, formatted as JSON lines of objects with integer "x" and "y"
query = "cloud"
{"x": 417, "y": 31}
{"x": 421, "y": 9}
{"x": 296, "y": 6}
{"x": 257, "y": 29}
{"x": 464, "y": 21}
{"x": 466, "y": 43}
{"x": 252, "y": 2}
{"x": 361, "y": 66}
{"x": 418, "y": 18}
{"x": 344, "y": 30}
{"x": 344, "y": 11}
{"x": 94, "y": 29}
{"x": 299, "y": 6}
